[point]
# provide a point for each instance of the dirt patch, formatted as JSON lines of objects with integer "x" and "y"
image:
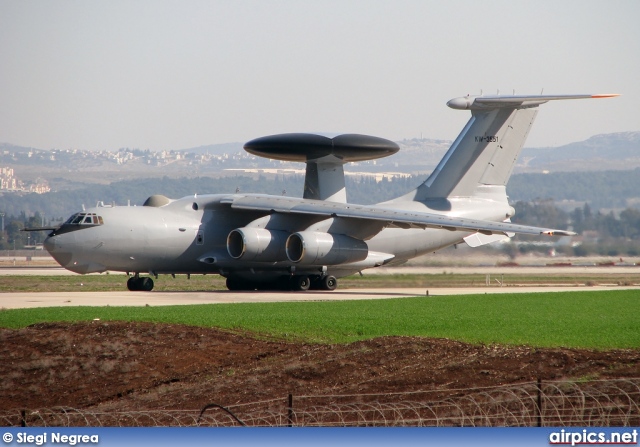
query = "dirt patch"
{"x": 132, "y": 366}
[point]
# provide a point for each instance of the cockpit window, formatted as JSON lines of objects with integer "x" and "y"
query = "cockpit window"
{"x": 77, "y": 219}
{"x": 85, "y": 219}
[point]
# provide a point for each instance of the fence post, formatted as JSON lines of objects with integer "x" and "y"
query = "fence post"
{"x": 290, "y": 410}
{"x": 539, "y": 402}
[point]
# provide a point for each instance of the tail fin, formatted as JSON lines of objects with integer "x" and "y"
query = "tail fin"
{"x": 486, "y": 150}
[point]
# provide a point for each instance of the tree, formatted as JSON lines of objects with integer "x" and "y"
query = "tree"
{"x": 15, "y": 237}
{"x": 630, "y": 223}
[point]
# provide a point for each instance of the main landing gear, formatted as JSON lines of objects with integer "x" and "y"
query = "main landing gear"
{"x": 327, "y": 283}
{"x": 297, "y": 283}
{"x": 137, "y": 283}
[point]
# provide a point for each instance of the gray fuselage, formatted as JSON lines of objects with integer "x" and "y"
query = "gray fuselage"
{"x": 189, "y": 236}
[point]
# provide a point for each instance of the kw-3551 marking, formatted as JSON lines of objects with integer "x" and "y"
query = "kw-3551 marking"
{"x": 487, "y": 139}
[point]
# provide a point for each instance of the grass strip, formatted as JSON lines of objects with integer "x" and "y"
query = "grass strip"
{"x": 595, "y": 319}
{"x": 204, "y": 283}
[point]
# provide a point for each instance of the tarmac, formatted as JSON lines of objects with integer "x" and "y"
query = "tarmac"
{"x": 15, "y": 300}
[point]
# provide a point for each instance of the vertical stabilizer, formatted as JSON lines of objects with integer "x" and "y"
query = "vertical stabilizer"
{"x": 485, "y": 152}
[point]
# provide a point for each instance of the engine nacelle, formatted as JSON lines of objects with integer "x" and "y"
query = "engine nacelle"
{"x": 257, "y": 244}
{"x": 312, "y": 247}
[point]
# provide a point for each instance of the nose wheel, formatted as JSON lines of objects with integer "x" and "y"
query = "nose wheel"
{"x": 140, "y": 284}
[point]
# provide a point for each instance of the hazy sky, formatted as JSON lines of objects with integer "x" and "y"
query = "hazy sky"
{"x": 156, "y": 74}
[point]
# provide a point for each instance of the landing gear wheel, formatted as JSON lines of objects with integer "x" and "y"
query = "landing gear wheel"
{"x": 328, "y": 283}
{"x": 137, "y": 284}
{"x": 284, "y": 283}
{"x": 146, "y": 284}
{"x": 300, "y": 283}
{"x": 237, "y": 284}
{"x": 132, "y": 283}
{"x": 234, "y": 284}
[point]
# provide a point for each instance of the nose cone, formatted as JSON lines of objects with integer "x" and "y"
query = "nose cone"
{"x": 56, "y": 249}
{"x": 49, "y": 244}
{"x": 71, "y": 254}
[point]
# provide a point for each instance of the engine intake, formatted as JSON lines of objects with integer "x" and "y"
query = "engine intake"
{"x": 312, "y": 247}
{"x": 257, "y": 244}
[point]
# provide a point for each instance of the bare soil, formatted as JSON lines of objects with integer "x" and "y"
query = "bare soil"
{"x": 134, "y": 366}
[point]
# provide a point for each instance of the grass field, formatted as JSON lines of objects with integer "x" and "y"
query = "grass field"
{"x": 601, "y": 320}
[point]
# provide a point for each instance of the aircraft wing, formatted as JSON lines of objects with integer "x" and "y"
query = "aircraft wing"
{"x": 390, "y": 217}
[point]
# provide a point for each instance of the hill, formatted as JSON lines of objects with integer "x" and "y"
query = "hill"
{"x": 598, "y": 153}
{"x": 601, "y": 189}
{"x": 64, "y": 169}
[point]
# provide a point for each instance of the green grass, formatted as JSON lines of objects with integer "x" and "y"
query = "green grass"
{"x": 600, "y": 320}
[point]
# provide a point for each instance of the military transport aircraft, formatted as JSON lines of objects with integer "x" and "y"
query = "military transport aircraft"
{"x": 267, "y": 242}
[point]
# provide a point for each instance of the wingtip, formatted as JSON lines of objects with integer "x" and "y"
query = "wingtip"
{"x": 605, "y": 95}
{"x": 558, "y": 233}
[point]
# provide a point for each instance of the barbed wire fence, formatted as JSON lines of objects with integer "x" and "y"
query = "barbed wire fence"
{"x": 559, "y": 403}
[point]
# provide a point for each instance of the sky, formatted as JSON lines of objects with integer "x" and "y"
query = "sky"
{"x": 163, "y": 75}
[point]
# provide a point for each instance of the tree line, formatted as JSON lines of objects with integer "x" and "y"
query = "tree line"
{"x": 603, "y": 233}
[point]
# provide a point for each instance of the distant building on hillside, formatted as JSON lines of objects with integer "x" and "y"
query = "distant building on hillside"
{"x": 8, "y": 182}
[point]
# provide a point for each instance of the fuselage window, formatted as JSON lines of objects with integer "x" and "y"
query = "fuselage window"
{"x": 200, "y": 237}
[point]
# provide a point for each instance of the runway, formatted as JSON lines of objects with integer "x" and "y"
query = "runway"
{"x": 16, "y": 300}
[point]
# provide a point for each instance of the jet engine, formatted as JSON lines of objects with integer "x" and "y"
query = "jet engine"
{"x": 312, "y": 247}
{"x": 257, "y": 244}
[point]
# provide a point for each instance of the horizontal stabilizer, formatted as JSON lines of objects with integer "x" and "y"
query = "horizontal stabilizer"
{"x": 513, "y": 101}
